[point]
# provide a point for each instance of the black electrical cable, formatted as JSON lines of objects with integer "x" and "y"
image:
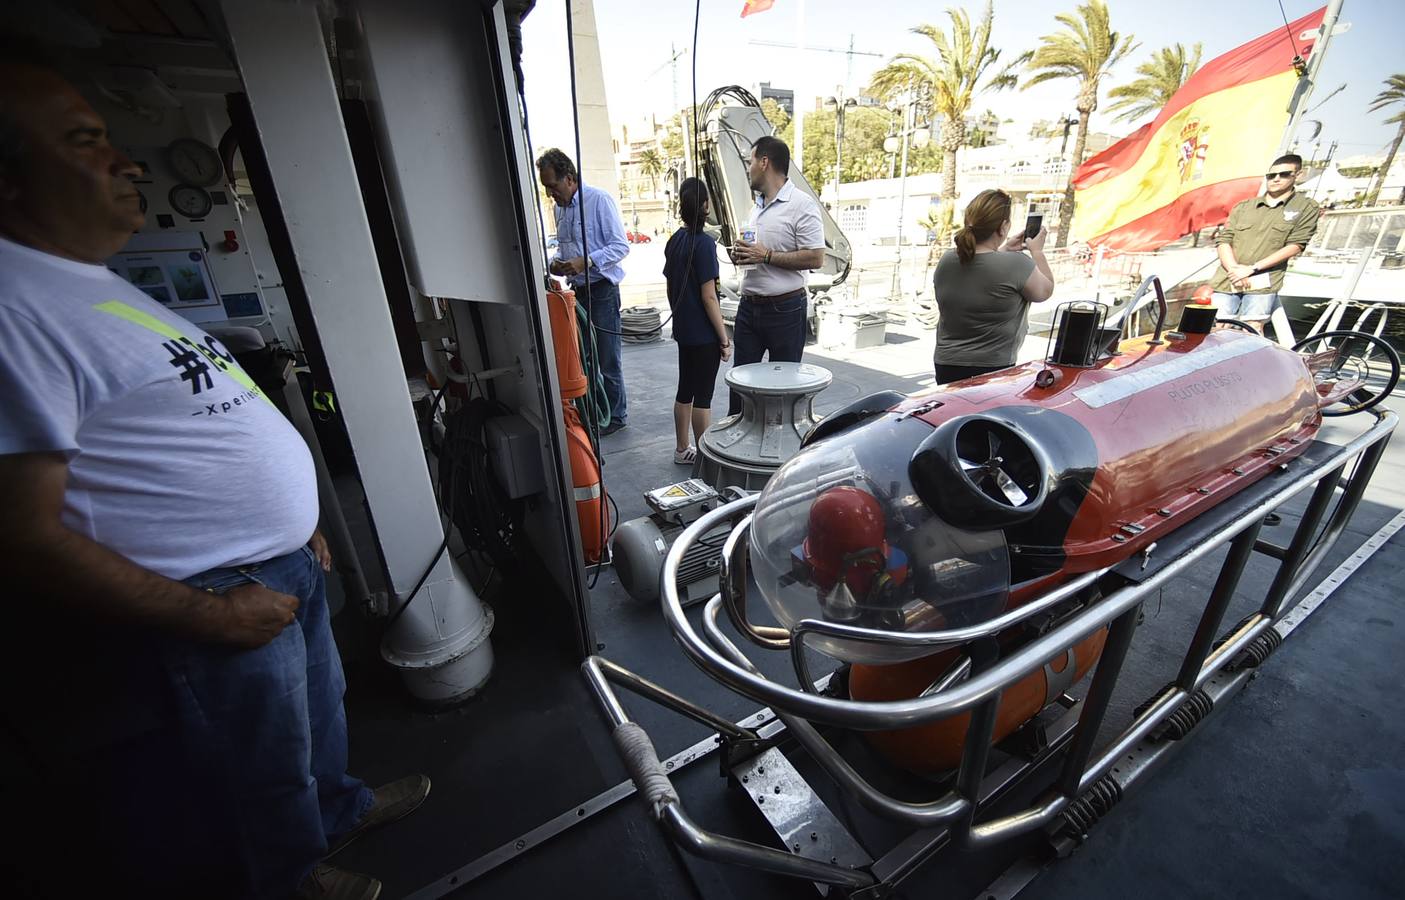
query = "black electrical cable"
{"x": 488, "y": 520}
{"x": 633, "y": 332}
{"x": 697, "y": 15}
{"x": 594, "y": 423}
{"x": 438, "y": 554}
{"x": 532, "y": 149}
{"x": 585, "y": 247}
{"x": 464, "y": 453}
{"x": 541, "y": 235}
{"x": 693, "y": 246}
{"x": 395, "y": 617}
{"x": 444, "y": 544}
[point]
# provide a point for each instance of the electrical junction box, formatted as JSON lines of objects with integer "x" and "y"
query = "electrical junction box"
{"x": 515, "y": 449}
{"x": 676, "y": 497}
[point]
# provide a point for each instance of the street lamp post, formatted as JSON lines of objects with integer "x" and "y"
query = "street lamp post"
{"x": 920, "y": 138}
{"x": 840, "y": 104}
{"x": 1067, "y": 122}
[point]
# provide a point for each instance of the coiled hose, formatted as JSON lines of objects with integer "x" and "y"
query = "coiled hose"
{"x": 595, "y": 397}
{"x": 641, "y": 325}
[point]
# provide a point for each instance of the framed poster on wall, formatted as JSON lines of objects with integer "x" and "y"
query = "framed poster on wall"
{"x": 169, "y": 268}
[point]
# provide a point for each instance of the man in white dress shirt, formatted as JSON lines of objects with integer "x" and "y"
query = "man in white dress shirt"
{"x": 789, "y": 241}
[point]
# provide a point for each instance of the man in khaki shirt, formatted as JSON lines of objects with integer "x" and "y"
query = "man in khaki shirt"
{"x": 1262, "y": 234}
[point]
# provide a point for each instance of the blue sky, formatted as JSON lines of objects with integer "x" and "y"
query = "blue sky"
{"x": 635, "y": 37}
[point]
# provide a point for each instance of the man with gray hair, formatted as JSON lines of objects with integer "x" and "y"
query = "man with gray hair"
{"x": 158, "y": 521}
{"x": 593, "y": 268}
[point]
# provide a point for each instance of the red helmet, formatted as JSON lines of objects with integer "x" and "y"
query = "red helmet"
{"x": 1204, "y": 295}
{"x": 845, "y": 532}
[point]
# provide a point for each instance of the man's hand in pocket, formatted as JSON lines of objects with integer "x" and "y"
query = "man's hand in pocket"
{"x": 252, "y": 615}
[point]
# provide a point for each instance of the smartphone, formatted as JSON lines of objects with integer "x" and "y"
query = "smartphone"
{"x": 1032, "y": 225}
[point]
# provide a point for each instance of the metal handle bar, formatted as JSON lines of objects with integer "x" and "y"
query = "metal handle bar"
{"x": 1135, "y": 303}
{"x": 946, "y": 808}
{"x": 934, "y": 640}
{"x": 655, "y": 787}
{"x": 731, "y": 583}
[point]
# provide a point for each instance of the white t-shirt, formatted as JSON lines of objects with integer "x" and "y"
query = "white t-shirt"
{"x": 791, "y": 221}
{"x": 176, "y": 459}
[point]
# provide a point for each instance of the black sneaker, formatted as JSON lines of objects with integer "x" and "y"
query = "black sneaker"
{"x": 392, "y": 801}
{"x": 329, "y": 883}
{"x": 612, "y": 428}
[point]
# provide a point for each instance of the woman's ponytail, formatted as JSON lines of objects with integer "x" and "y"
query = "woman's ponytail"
{"x": 692, "y": 203}
{"x": 984, "y": 215}
{"x": 965, "y": 245}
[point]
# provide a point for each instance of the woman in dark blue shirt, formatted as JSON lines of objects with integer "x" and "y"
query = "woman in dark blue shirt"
{"x": 690, "y": 268}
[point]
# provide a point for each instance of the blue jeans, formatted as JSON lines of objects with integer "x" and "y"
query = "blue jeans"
{"x": 604, "y": 306}
{"x": 776, "y": 328}
{"x": 273, "y": 720}
{"x": 1247, "y": 307}
{"x": 189, "y": 769}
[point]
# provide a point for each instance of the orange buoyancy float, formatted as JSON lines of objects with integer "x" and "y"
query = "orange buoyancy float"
{"x": 565, "y": 337}
{"x": 589, "y": 491}
{"x": 937, "y": 746}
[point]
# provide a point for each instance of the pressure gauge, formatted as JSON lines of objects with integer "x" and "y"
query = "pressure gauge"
{"x": 194, "y": 162}
{"x": 190, "y": 201}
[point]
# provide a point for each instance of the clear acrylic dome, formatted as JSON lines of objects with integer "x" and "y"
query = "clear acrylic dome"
{"x": 840, "y": 535}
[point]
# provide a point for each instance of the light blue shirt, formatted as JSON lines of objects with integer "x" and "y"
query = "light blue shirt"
{"x": 604, "y": 232}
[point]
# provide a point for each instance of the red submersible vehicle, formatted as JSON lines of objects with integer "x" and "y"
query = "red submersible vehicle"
{"x": 951, "y": 507}
{"x": 970, "y": 553}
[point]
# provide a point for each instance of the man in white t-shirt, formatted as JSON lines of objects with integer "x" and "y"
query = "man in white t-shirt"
{"x": 789, "y": 241}
{"x": 171, "y": 678}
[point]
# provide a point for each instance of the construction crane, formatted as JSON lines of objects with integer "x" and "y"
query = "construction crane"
{"x": 850, "y": 53}
{"x": 674, "y": 55}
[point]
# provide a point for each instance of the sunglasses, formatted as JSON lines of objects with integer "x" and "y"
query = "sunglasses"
{"x": 1273, "y": 175}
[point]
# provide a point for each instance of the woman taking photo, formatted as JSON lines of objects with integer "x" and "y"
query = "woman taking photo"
{"x": 984, "y": 289}
{"x": 691, "y": 270}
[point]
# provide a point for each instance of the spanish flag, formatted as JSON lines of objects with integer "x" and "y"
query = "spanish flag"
{"x": 1204, "y": 152}
{"x": 756, "y": 6}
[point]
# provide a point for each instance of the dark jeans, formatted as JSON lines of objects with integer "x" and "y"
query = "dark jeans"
{"x": 197, "y": 769}
{"x": 604, "y": 306}
{"x": 777, "y": 329}
{"x": 948, "y": 374}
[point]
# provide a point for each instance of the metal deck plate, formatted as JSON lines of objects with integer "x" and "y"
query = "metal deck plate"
{"x": 799, "y": 817}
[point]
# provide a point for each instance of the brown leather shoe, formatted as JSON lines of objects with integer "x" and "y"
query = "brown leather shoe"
{"x": 328, "y": 883}
{"x": 392, "y": 801}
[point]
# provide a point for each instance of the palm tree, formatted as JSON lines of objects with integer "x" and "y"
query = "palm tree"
{"x": 651, "y": 164}
{"x": 940, "y": 222}
{"x": 952, "y": 77}
{"x": 1084, "y": 51}
{"x": 1161, "y": 76}
{"x": 1392, "y": 95}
